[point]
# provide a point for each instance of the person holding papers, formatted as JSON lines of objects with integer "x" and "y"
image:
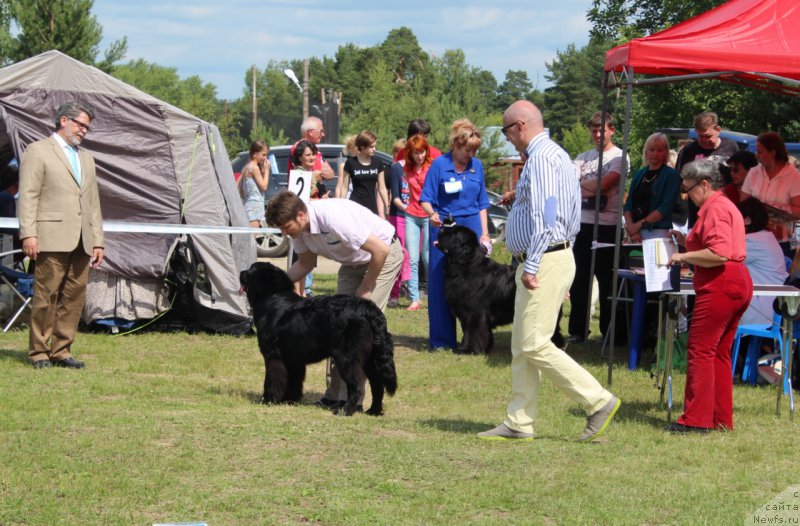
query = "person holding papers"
{"x": 716, "y": 247}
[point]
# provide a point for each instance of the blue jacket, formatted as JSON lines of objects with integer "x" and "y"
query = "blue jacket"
{"x": 470, "y": 200}
{"x": 666, "y": 189}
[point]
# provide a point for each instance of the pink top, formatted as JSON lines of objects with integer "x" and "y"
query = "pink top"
{"x": 416, "y": 180}
{"x": 777, "y": 191}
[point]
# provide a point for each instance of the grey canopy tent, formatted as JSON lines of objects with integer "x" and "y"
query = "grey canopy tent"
{"x": 155, "y": 164}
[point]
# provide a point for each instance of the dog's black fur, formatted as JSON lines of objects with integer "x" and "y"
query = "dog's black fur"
{"x": 294, "y": 332}
{"x": 480, "y": 291}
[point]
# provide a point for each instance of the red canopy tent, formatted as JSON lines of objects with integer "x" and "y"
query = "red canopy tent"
{"x": 755, "y": 43}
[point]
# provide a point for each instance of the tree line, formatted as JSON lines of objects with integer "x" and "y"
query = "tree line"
{"x": 385, "y": 86}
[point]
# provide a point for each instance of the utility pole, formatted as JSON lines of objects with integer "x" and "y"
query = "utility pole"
{"x": 305, "y": 89}
{"x": 255, "y": 111}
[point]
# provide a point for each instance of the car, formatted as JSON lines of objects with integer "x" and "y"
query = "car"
{"x": 276, "y": 245}
{"x": 745, "y": 141}
{"x": 498, "y": 216}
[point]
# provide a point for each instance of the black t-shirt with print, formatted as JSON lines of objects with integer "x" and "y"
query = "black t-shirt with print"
{"x": 365, "y": 180}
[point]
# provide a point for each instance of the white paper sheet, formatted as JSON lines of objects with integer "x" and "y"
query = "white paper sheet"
{"x": 657, "y": 253}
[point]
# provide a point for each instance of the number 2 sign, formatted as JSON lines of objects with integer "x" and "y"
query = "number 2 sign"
{"x": 300, "y": 184}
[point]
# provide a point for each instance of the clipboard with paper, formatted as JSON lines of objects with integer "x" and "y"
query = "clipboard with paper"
{"x": 658, "y": 274}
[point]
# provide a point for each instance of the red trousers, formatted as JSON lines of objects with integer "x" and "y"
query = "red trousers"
{"x": 723, "y": 294}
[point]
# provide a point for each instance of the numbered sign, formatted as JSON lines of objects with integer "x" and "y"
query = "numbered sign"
{"x": 300, "y": 184}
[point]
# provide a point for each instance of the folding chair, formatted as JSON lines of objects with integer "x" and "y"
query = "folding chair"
{"x": 19, "y": 282}
{"x": 756, "y": 332}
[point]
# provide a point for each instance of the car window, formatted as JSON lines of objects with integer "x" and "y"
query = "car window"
{"x": 239, "y": 162}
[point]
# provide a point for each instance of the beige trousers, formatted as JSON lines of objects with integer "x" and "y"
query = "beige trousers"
{"x": 533, "y": 355}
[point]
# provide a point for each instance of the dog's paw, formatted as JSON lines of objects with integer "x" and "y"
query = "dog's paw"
{"x": 465, "y": 350}
{"x": 268, "y": 401}
{"x": 372, "y": 411}
{"x": 349, "y": 411}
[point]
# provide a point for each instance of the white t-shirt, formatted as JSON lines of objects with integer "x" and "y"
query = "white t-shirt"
{"x": 767, "y": 266}
{"x": 586, "y": 168}
{"x": 338, "y": 230}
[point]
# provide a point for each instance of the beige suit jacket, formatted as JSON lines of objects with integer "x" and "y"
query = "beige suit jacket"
{"x": 51, "y": 205}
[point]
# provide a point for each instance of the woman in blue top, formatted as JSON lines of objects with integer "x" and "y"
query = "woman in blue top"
{"x": 454, "y": 188}
{"x": 653, "y": 193}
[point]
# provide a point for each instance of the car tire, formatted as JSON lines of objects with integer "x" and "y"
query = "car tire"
{"x": 272, "y": 245}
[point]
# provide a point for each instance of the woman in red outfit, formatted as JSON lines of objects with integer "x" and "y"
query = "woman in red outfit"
{"x": 723, "y": 288}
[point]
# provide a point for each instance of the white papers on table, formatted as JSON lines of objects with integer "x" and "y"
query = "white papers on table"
{"x": 598, "y": 244}
{"x": 657, "y": 253}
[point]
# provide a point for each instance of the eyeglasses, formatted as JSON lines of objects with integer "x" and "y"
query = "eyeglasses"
{"x": 685, "y": 190}
{"x": 83, "y": 126}
{"x": 505, "y": 129}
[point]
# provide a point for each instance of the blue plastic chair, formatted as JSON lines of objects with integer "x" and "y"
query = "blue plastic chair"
{"x": 756, "y": 332}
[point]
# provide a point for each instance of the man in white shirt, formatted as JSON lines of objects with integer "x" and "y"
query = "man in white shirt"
{"x": 540, "y": 231}
{"x": 346, "y": 232}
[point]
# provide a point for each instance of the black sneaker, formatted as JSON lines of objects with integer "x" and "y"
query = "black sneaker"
{"x": 682, "y": 429}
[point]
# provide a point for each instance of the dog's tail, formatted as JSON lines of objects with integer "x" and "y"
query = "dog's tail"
{"x": 383, "y": 351}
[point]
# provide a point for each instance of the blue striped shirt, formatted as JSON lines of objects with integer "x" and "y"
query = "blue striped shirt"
{"x": 547, "y": 208}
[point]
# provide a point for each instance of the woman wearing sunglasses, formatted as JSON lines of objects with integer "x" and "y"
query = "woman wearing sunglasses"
{"x": 716, "y": 247}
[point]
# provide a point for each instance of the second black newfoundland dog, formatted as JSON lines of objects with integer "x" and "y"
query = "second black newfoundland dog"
{"x": 480, "y": 291}
{"x": 294, "y": 332}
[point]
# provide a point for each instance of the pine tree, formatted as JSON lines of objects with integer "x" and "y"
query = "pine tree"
{"x": 65, "y": 25}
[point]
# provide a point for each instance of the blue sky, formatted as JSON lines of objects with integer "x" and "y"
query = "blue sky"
{"x": 220, "y": 40}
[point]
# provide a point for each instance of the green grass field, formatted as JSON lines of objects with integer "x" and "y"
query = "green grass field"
{"x": 165, "y": 427}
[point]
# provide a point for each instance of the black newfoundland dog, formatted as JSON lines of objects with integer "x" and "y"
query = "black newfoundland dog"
{"x": 294, "y": 332}
{"x": 480, "y": 291}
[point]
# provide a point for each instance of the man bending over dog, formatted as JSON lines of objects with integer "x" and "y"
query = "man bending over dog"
{"x": 346, "y": 232}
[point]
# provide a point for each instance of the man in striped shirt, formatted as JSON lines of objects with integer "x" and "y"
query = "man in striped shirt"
{"x": 541, "y": 228}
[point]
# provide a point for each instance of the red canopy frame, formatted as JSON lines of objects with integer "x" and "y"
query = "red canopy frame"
{"x": 754, "y": 43}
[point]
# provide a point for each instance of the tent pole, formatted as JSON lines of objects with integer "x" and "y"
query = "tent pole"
{"x": 623, "y": 177}
{"x": 598, "y": 192}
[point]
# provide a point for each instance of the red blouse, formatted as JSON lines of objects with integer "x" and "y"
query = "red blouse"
{"x": 719, "y": 227}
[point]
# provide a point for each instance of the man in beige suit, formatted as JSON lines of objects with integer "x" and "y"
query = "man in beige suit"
{"x": 61, "y": 228}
